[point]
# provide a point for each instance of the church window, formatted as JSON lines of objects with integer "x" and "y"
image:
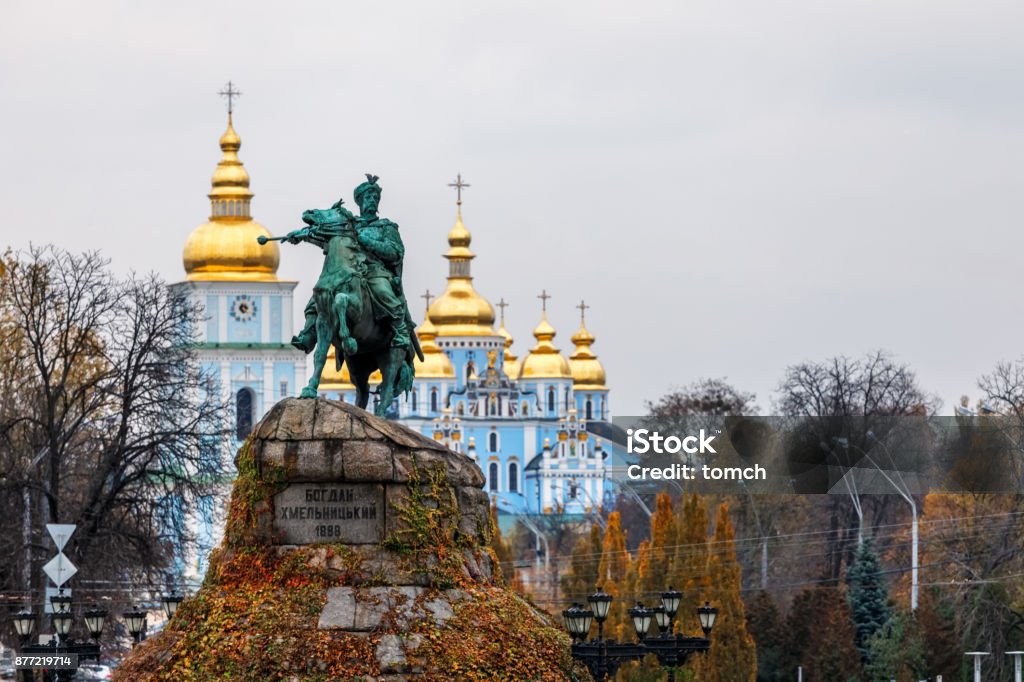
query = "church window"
{"x": 244, "y": 409}
{"x": 433, "y": 400}
{"x": 551, "y": 400}
{"x": 283, "y": 389}
{"x": 492, "y": 477}
{"x": 492, "y": 441}
{"x": 414, "y": 401}
{"x": 513, "y": 477}
{"x": 524, "y": 409}
{"x": 460, "y": 408}
{"x": 590, "y": 409}
{"x": 492, "y": 405}
{"x": 604, "y": 414}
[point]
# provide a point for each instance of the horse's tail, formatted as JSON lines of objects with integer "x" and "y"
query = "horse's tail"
{"x": 404, "y": 377}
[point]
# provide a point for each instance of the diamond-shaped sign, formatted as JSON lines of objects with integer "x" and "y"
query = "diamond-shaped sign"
{"x": 60, "y": 569}
{"x": 61, "y": 533}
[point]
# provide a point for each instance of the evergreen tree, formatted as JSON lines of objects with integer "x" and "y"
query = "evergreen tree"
{"x": 582, "y": 578}
{"x": 765, "y": 624}
{"x": 733, "y": 654}
{"x": 869, "y": 601}
{"x": 819, "y": 637}
{"x": 663, "y": 537}
{"x": 897, "y": 650}
{"x": 831, "y": 652}
{"x": 688, "y": 571}
{"x": 615, "y": 563}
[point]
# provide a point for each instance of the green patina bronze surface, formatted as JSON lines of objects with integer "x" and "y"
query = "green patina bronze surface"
{"x": 358, "y": 305}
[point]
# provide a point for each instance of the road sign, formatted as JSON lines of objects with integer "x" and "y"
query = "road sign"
{"x": 61, "y": 533}
{"x": 60, "y": 569}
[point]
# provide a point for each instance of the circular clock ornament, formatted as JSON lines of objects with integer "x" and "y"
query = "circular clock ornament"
{"x": 243, "y": 308}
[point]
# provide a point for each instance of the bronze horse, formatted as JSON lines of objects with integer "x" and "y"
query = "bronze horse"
{"x": 345, "y": 315}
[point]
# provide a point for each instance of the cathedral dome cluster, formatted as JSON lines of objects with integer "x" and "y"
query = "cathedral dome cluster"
{"x": 462, "y": 312}
{"x": 225, "y": 248}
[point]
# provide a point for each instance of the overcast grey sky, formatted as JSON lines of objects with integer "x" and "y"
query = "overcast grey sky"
{"x": 734, "y": 187}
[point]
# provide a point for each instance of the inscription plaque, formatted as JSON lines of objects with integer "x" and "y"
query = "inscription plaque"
{"x": 308, "y": 513}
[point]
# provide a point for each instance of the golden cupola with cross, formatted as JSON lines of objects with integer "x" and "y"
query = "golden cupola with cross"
{"x": 587, "y": 371}
{"x": 226, "y": 247}
{"x": 461, "y": 310}
{"x": 544, "y": 361}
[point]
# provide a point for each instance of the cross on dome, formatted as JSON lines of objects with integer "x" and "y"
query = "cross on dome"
{"x": 230, "y": 92}
{"x": 458, "y": 185}
{"x": 544, "y": 296}
{"x": 582, "y": 307}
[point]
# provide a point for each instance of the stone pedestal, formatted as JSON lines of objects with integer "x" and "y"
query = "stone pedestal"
{"x": 354, "y": 548}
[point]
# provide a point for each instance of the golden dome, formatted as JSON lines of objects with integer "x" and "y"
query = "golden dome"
{"x": 510, "y": 362}
{"x": 436, "y": 363}
{"x": 332, "y": 379}
{"x": 544, "y": 361}
{"x": 460, "y": 310}
{"x": 226, "y": 248}
{"x": 587, "y": 370}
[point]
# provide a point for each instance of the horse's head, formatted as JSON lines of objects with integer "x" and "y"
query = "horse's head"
{"x": 335, "y": 215}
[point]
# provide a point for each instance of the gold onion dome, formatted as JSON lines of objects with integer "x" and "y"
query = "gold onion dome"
{"x": 544, "y": 361}
{"x": 226, "y": 248}
{"x": 460, "y": 310}
{"x": 510, "y": 362}
{"x": 436, "y": 364}
{"x": 587, "y": 370}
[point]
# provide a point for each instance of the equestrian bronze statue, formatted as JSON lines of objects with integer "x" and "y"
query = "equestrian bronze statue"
{"x": 358, "y": 305}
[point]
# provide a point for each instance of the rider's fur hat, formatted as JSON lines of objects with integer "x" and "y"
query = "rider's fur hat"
{"x": 371, "y": 183}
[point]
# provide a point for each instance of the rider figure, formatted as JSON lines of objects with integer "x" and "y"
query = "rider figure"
{"x": 383, "y": 249}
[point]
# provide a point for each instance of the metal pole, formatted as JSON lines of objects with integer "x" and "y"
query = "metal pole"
{"x": 977, "y": 662}
{"x": 1016, "y": 664}
{"x": 913, "y": 558}
{"x": 799, "y": 673}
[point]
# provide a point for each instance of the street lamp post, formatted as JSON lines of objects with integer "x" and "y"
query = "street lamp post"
{"x": 135, "y": 621}
{"x": 1016, "y": 664}
{"x": 62, "y": 644}
{"x": 604, "y": 657}
{"x": 171, "y": 602}
{"x": 976, "y": 655}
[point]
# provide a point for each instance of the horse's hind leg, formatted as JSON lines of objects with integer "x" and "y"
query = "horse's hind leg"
{"x": 324, "y": 334}
{"x": 390, "y": 362}
{"x": 348, "y": 344}
{"x": 359, "y": 371}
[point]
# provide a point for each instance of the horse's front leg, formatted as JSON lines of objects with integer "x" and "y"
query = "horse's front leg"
{"x": 323, "y": 343}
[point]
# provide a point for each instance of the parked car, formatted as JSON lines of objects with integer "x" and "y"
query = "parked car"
{"x": 8, "y": 672}
{"x": 88, "y": 672}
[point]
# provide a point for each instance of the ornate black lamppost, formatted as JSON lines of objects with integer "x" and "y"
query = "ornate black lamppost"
{"x": 171, "y": 603}
{"x": 135, "y": 621}
{"x": 62, "y": 646}
{"x": 604, "y": 657}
